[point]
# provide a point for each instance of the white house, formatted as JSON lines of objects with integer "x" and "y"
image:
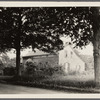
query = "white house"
{"x": 70, "y": 60}
{"x": 66, "y": 58}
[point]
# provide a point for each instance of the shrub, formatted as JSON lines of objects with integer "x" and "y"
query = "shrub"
{"x": 30, "y": 68}
{"x": 41, "y": 70}
{"x": 73, "y": 72}
{"x": 49, "y": 71}
{"x": 9, "y": 71}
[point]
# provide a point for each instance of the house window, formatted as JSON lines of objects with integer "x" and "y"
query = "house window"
{"x": 79, "y": 67}
{"x": 71, "y": 54}
{"x": 66, "y": 54}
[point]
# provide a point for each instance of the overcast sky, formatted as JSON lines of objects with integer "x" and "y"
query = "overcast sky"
{"x": 88, "y": 50}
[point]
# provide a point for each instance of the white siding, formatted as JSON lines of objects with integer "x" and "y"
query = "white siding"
{"x": 67, "y": 57}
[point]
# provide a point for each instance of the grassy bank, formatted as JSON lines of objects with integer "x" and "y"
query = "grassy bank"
{"x": 78, "y": 82}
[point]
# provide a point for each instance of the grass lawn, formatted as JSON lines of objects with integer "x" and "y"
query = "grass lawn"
{"x": 85, "y": 80}
{"x": 78, "y": 82}
{"x": 82, "y": 81}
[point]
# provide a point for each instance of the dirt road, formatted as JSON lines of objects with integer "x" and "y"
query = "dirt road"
{"x": 14, "y": 89}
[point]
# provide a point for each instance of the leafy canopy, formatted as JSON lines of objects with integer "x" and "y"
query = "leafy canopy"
{"x": 42, "y": 27}
{"x": 24, "y": 25}
{"x": 80, "y": 23}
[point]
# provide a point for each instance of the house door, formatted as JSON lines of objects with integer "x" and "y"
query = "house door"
{"x": 67, "y": 67}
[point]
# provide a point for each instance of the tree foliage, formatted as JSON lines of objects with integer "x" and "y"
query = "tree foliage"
{"x": 76, "y": 22}
{"x": 20, "y": 28}
{"x": 42, "y": 26}
{"x": 23, "y": 24}
{"x": 80, "y": 23}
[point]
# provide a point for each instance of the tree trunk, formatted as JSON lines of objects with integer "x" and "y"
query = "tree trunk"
{"x": 96, "y": 45}
{"x": 18, "y": 61}
{"x": 18, "y": 46}
{"x": 18, "y": 54}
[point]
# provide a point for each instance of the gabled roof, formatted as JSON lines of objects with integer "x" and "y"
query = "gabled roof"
{"x": 85, "y": 58}
{"x": 36, "y": 53}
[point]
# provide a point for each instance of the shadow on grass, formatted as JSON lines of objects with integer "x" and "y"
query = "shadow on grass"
{"x": 62, "y": 85}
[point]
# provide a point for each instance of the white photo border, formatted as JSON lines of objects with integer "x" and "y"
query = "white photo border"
{"x": 49, "y": 4}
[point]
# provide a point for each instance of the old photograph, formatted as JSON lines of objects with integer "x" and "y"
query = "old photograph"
{"x": 49, "y": 50}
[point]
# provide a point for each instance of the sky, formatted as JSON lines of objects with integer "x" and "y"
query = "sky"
{"x": 88, "y": 50}
{"x": 12, "y": 54}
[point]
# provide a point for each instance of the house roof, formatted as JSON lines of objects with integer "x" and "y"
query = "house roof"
{"x": 35, "y": 53}
{"x": 85, "y": 58}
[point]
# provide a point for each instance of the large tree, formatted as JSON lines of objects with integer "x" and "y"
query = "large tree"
{"x": 41, "y": 27}
{"x": 20, "y": 28}
{"x": 82, "y": 24}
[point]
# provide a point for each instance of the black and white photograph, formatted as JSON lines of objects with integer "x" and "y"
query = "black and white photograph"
{"x": 49, "y": 49}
